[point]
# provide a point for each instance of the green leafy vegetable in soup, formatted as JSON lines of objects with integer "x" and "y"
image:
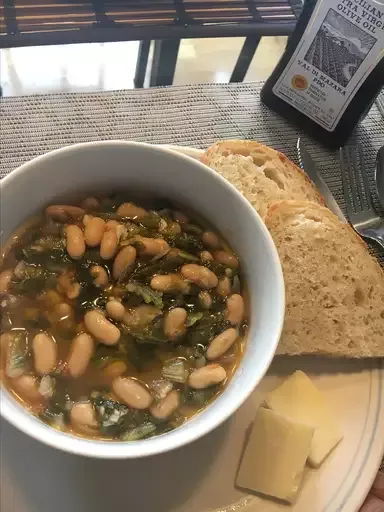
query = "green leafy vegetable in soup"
{"x": 117, "y": 321}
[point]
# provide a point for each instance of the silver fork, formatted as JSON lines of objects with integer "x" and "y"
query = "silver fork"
{"x": 362, "y": 215}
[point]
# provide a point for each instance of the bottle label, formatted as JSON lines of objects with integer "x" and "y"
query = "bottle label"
{"x": 342, "y": 44}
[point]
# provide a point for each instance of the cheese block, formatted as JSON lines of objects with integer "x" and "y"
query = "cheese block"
{"x": 275, "y": 455}
{"x": 298, "y": 399}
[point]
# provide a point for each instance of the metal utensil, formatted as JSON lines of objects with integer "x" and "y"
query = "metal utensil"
{"x": 379, "y": 174}
{"x": 364, "y": 219}
{"x": 310, "y": 168}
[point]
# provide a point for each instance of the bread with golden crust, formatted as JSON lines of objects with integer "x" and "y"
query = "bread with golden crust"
{"x": 334, "y": 287}
{"x": 262, "y": 174}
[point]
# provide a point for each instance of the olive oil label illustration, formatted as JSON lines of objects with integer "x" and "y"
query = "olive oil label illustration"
{"x": 342, "y": 44}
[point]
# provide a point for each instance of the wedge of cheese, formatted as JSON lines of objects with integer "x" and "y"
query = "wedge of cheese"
{"x": 299, "y": 400}
{"x": 275, "y": 456}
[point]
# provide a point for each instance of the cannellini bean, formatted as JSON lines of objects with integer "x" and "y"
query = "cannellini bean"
{"x": 115, "y": 369}
{"x": 211, "y": 240}
{"x": 207, "y": 376}
{"x": 75, "y": 242}
{"x": 94, "y": 231}
{"x": 64, "y": 212}
{"x": 224, "y": 286}
{"x": 115, "y": 309}
{"x": 174, "y": 323}
{"x": 205, "y": 299}
{"x": 170, "y": 283}
{"x": 199, "y": 275}
{"x": 180, "y": 217}
{"x": 5, "y": 279}
{"x": 90, "y": 203}
{"x": 80, "y": 354}
{"x": 112, "y": 224}
{"x": 206, "y": 256}
{"x": 116, "y": 226}
{"x": 101, "y": 328}
{"x": 131, "y": 211}
{"x": 132, "y": 393}
{"x": 108, "y": 246}
{"x": 44, "y": 353}
{"x": 100, "y": 276}
{"x": 226, "y": 258}
{"x": 152, "y": 246}
{"x": 141, "y": 316}
{"x": 235, "y": 309}
{"x": 124, "y": 262}
{"x": 28, "y": 388}
{"x": 221, "y": 343}
{"x": 83, "y": 418}
{"x": 167, "y": 406}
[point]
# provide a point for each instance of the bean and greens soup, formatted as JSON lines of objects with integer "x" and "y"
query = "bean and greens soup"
{"x": 119, "y": 320}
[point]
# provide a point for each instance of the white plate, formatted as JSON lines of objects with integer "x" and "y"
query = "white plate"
{"x": 200, "y": 477}
{"x": 355, "y": 391}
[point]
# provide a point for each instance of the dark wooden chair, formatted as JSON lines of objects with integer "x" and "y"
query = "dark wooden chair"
{"x": 49, "y": 22}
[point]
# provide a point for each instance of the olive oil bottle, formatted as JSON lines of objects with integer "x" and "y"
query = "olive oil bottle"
{"x": 332, "y": 68}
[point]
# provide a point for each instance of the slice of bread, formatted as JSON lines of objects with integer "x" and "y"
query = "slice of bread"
{"x": 334, "y": 288}
{"x": 261, "y": 174}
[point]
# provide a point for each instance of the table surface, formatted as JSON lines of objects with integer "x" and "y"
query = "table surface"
{"x": 193, "y": 116}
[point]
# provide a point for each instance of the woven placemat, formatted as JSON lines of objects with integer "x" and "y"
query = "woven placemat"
{"x": 194, "y": 115}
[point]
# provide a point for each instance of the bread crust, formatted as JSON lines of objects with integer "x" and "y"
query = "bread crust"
{"x": 329, "y": 273}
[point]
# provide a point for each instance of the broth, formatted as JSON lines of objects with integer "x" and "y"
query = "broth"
{"x": 119, "y": 321}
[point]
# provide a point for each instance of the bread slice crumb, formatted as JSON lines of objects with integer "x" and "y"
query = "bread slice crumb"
{"x": 334, "y": 288}
{"x": 262, "y": 174}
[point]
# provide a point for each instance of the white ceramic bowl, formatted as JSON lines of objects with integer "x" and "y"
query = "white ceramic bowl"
{"x": 113, "y": 166}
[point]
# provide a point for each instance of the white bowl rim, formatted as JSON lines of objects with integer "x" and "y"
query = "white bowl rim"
{"x": 33, "y": 427}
